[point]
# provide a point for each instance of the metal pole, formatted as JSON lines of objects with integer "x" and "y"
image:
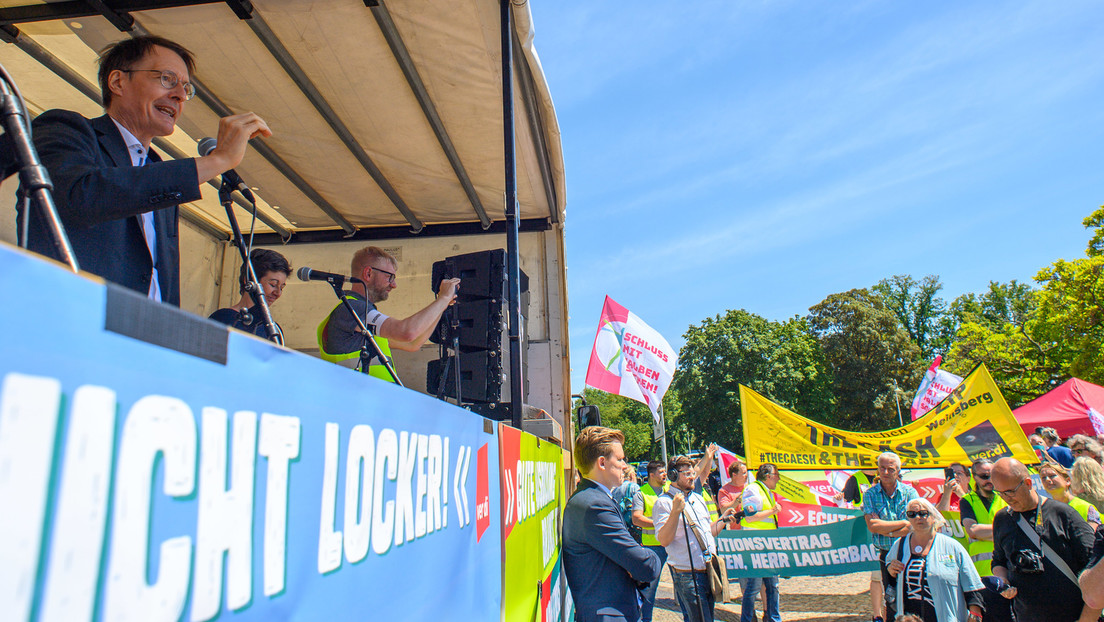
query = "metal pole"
{"x": 513, "y": 270}
{"x": 897, "y": 397}
{"x": 663, "y": 437}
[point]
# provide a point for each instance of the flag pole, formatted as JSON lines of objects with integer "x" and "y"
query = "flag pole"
{"x": 663, "y": 434}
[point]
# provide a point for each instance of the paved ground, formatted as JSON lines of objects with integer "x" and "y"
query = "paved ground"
{"x": 814, "y": 599}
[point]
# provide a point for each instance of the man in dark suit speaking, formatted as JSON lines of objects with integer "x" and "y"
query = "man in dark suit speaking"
{"x": 603, "y": 563}
{"x": 117, "y": 199}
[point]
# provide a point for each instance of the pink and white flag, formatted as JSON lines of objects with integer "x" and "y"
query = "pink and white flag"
{"x": 1097, "y": 420}
{"x": 630, "y": 359}
{"x": 937, "y": 384}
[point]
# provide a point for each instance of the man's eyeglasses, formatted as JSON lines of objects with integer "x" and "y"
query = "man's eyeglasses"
{"x": 1009, "y": 493}
{"x": 390, "y": 275}
{"x": 917, "y": 514}
{"x": 169, "y": 80}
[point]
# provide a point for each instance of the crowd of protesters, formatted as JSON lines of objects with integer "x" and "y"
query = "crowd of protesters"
{"x": 1031, "y": 551}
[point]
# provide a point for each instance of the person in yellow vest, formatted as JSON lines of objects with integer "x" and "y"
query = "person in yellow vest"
{"x": 339, "y": 337}
{"x": 1056, "y": 481}
{"x": 761, "y": 512}
{"x": 854, "y": 488}
{"x": 977, "y": 509}
{"x": 643, "y": 506}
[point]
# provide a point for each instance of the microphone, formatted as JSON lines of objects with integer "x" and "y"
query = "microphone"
{"x": 205, "y": 147}
{"x": 307, "y": 274}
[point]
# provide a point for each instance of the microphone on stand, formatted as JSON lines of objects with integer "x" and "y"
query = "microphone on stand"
{"x": 205, "y": 147}
{"x": 307, "y": 274}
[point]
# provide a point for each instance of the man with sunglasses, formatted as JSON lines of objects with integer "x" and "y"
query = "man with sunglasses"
{"x": 115, "y": 196}
{"x": 1040, "y": 546}
{"x": 978, "y": 508}
{"x": 339, "y": 336}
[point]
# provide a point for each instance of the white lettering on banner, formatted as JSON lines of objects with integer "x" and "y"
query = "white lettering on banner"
{"x": 404, "y": 495}
{"x": 550, "y": 539}
{"x": 224, "y": 525}
{"x": 459, "y": 489}
{"x": 383, "y": 514}
{"x": 29, "y": 411}
{"x": 81, "y": 508}
{"x": 279, "y": 444}
{"x": 155, "y": 426}
{"x": 396, "y": 490}
{"x": 358, "y": 492}
{"x": 536, "y": 487}
{"x": 329, "y": 540}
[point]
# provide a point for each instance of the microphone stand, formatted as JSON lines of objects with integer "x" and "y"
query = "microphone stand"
{"x": 33, "y": 176}
{"x": 369, "y": 338}
{"x": 454, "y": 324}
{"x": 252, "y": 285}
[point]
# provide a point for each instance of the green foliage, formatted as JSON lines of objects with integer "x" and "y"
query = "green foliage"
{"x": 869, "y": 355}
{"x": 634, "y": 419}
{"x": 1033, "y": 340}
{"x": 778, "y": 359}
{"x": 1095, "y": 221}
{"x": 920, "y": 311}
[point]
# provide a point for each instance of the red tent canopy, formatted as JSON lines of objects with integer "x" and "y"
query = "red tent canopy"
{"x": 1066, "y": 409}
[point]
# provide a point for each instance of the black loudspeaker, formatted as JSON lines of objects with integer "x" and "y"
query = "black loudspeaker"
{"x": 482, "y": 274}
{"x": 588, "y": 416}
{"x": 481, "y": 313}
{"x": 482, "y": 325}
{"x": 482, "y": 377}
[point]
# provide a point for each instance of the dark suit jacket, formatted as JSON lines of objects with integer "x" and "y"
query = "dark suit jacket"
{"x": 601, "y": 560}
{"x": 100, "y": 196}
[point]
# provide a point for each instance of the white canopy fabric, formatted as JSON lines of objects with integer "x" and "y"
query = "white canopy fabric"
{"x": 348, "y": 58}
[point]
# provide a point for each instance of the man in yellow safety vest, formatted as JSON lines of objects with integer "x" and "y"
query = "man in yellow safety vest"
{"x": 977, "y": 509}
{"x": 761, "y": 512}
{"x": 339, "y": 336}
{"x": 643, "y": 505}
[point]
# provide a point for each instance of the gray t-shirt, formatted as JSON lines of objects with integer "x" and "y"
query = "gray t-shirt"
{"x": 342, "y": 334}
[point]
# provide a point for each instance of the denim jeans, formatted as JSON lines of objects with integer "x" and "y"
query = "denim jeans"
{"x": 751, "y": 591}
{"x": 649, "y": 593}
{"x": 689, "y": 588}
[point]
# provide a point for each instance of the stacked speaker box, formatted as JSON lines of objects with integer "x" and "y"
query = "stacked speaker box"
{"x": 482, "y": 315}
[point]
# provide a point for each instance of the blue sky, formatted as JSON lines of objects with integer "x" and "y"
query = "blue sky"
{"x": 762, "y": 155}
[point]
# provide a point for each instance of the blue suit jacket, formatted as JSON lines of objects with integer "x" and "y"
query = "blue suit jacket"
{"x": 100, "y": 196}
{"x": 601, "y": 560}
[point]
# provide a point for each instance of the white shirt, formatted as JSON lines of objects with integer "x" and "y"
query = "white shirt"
{"x": 676, "y": 550}
{"x": 138, "y": 155}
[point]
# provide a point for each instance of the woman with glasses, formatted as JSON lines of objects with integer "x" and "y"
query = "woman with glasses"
{"x": 935, "y": 578}
{"x": 1087, "y": 482}
{"x": 1056, "y": 481}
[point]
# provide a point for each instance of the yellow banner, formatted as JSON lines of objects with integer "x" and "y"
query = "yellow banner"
{"x": 972, "y": 422}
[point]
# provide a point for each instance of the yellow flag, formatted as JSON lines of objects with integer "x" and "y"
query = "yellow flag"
{"x": 972, "y": 422}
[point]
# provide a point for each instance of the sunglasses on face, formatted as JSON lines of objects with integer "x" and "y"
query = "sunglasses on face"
{"x": 917, "y": 514}
{"x": 981, "y": 477}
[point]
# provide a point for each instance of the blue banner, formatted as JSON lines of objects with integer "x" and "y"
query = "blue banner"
{"x": 142, "y": 483}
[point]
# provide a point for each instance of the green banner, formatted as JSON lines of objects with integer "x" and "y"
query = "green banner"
{"x": 834, "y": 548}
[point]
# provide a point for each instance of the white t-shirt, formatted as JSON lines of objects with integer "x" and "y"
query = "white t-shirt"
{"x": 676, "y": 551}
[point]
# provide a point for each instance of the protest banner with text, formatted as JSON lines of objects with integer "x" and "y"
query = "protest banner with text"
{"x": 972, "y": 422}
{"x": 830, "y": 549}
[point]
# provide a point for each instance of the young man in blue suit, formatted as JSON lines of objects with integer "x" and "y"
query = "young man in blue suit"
{"x": 116, "y": 198}
{"x": 605, "y": 566}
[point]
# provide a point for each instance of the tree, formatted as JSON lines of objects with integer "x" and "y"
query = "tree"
{"x": 870, "y": 357}
{"x": 1033, "y": 340}
{"x": 920, "y": 311}
{"x": 778, "y": 359}
{"x": 634, "y": 420}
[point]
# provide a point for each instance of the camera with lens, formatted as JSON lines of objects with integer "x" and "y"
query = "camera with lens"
{"x": 1028, "y": 562}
